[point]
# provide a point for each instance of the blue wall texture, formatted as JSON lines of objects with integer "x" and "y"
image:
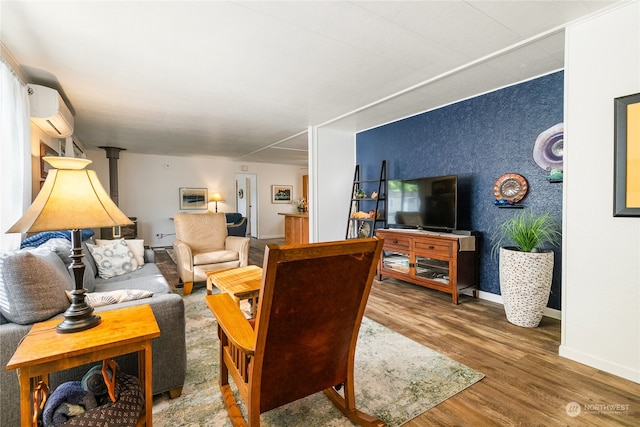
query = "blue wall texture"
{"x": 479, "y": 140}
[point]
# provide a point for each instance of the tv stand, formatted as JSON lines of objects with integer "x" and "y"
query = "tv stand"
{"x": 446, "y": 262}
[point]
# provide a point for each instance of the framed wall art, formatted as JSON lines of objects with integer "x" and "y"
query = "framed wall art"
{"x": 193, "y": 198}
{"x": 281, "y": 193}
{"x": 45, "y": 151}
{"x": 626, "y": 195}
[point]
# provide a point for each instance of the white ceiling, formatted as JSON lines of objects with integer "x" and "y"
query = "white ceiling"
{"x": 244, "y": 80}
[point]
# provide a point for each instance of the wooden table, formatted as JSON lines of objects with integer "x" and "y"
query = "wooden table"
{"x": 122, "y": 331}
{"x": 241, "y": 283}
{"x": 296, "y": 228}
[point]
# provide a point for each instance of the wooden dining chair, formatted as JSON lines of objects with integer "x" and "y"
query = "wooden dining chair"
{"x": 311, "y": 304}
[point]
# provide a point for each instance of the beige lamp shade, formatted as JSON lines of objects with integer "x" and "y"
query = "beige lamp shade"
{"x": 71, "y": 198}
{"x": 216, "y": 197}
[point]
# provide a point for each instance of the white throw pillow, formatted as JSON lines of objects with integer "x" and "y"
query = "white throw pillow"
{"x": 113, "y": 259}
{"x": 136, "y": 246}
{"x": 97, "y": 299}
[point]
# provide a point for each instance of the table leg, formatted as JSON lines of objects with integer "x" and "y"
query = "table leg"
{"x": 253, "y": 304}
{"x": 27, "y": 386}
{"x": 25, "y": 398}
{"x": 145, "y": 375}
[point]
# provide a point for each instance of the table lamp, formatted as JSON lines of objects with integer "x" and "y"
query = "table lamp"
{"x": 72, "y": 198}
{"x": 216, "y": 197}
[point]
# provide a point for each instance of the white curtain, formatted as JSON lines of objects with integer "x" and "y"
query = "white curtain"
{"x": 15, "y": 154}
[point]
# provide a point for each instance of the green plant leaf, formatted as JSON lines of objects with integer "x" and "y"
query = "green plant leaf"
{"x": 527, "y": 231}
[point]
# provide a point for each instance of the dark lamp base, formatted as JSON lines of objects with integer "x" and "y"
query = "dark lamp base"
{"x": 79, "y": 316}
{"x": 70, "y": 325}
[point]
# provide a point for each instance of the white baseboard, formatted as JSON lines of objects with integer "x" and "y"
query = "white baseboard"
{"x": 604, "y": 365}
{"x": 488, "y": 296}
{"x": 274, "y": 236}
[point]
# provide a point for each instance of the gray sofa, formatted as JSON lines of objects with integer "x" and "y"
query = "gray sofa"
{"x": 169, "y": 350}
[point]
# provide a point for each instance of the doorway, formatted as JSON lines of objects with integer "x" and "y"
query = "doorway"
{"x": 247, "y": 200}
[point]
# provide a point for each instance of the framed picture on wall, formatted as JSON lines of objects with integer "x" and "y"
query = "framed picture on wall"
{"x": 45, "y": 151}
{"x": 281, "y": 193}
{"x": 193, "y": 198}
{"x": 626, "y": 195}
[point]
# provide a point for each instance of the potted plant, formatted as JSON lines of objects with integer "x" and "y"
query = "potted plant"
{"x": 301, "y": 205}
{"x": 526, "y": 269}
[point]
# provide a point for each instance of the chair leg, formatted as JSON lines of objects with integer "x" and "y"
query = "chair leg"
{"x": 232, "y": 406}
{"x": 188, "y": 287}
{"x": 354, "y": 414}
{"x": 235, "y": 415}
{"x": 174, "y": 393}
{"x": 237, "y": 420}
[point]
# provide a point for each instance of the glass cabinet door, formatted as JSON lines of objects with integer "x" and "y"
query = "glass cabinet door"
{"x": 432, "y": 269}
{"x": 396, "y": 261}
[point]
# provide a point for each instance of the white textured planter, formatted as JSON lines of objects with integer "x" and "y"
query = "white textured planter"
{"x": 525, "y": 284}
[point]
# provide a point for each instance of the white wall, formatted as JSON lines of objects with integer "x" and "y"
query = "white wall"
{"x": 332, "y": 165}
{"x": 148, "y": 189}
{"x": 601, "y": 271}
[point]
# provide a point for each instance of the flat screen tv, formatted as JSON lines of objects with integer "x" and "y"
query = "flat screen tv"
{"x": 429, "y": 203}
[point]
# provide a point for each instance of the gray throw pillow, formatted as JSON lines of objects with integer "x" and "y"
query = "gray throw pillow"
{"x": 32, "y": 286}
{"x": 88, "y": 258}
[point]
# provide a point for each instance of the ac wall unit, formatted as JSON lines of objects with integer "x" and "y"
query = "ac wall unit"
{"x": 49, "y": 112}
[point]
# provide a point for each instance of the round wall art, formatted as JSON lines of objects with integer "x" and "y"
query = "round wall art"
{"x": 510, "y": 187}
{"x": 549, "y": 147}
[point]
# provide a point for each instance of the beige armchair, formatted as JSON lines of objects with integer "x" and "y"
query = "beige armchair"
{"x": 202, "y": 244}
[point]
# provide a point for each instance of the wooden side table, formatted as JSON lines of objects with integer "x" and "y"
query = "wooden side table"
{"x": 121, "y": 331}
{"x": 241, "y": 283}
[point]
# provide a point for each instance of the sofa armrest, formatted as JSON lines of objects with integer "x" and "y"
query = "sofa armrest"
{"x": 240, "y": 245}
{"x": 169, "y": 349}
{"x": 10, "y": 336}
{"x": 184, "y": 260}
{"x": 169, "y": 353}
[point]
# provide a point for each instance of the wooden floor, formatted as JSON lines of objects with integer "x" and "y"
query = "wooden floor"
{"x": 526, "y": 383}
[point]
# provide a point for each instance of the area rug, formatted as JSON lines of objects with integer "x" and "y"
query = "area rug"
{"x": 396, "y": 380}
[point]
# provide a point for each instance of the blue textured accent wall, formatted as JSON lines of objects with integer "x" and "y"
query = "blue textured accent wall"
{"x": 478, "y": 139}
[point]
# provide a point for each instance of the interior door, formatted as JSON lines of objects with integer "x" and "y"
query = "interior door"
{"x": 250, "y": 221}
{"x": 246, "y": 200}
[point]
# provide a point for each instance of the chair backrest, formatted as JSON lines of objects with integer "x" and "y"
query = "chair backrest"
{"x": 233, "y": 217}
{"x": 202, "y": 232}
{"x": 312, "y": 300}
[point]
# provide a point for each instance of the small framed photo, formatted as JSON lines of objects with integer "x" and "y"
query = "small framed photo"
{"x": 45, "y": 151}
{"x": 193, "y": 198}
{"x": 281, "y": 193}
{"x": 626, "y": 197}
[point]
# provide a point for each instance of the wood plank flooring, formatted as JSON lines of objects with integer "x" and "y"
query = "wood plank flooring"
{"x": 526, "y": 382}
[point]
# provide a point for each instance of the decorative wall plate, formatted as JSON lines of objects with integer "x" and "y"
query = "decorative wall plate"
{"x": 511, "y": 187}
{"x": 549, "y": 148}
{"x": 364, "y": 230}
